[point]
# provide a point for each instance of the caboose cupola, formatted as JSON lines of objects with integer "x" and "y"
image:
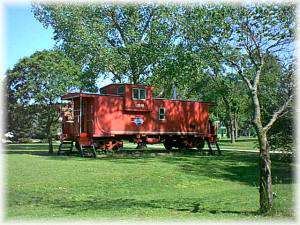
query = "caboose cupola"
{"x": 136, "y": 97}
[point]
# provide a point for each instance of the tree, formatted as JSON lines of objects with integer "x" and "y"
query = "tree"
{"x": 34, "y": 86}
{"x": 124, "y": 41}
{"x": 274, "y": 82}
{"x": 179, "y": 45}
{"x": 240, "y": 39}
{"x": 188, "y": 72}
{"x": 231, "y": 99}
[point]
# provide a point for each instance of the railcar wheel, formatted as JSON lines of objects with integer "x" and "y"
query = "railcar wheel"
{"x": 59, "y": 149}
{"x": 80, "y": 150}
{"x": 77, "y": 146}
{"x": 94, "y": 151}
{"x": 141, "y": 145}
{"x": 200, "y": 145}
{"x": 168, "y": 146}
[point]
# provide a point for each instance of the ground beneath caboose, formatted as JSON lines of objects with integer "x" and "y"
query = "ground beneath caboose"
{"x": 182, "y": 187}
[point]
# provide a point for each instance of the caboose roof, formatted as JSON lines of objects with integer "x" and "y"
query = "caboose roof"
{"x": 77, "y": 95}
{"x": 70, "y": 96}
{"x": 118, "y": 84}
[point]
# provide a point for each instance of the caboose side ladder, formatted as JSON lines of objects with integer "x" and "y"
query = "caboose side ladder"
{"x": 210, "y": 144}
{"x": 66, "y": 147}
{"x": 214, "y": 143}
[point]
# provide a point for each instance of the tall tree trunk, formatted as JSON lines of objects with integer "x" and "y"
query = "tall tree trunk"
{"x": 265, "y": 178}
{"x": 48, "y": 130}
{"x": 232, "y": 130}
{"x": 227, "y": 129}
{"x": 236, "y": 130}
{"x": 50, "y": 143}
{"x": 134, "y": 72}
{"x": 49, "y": 137}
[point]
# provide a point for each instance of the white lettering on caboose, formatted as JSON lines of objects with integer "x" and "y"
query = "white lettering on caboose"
{"x": 139, "y": 105}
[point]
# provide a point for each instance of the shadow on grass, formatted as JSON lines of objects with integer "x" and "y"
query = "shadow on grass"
{"x": 188, "y": 205}
{"x": 233, "y": 166}
{"x": 30, "y": 149}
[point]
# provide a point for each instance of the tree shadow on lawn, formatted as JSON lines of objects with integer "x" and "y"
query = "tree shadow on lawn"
{"x": 234, "y": 166}
{"x": 36, "y": 149}
{"x": 187, "y": 205}
{"x": 30, "y": 149}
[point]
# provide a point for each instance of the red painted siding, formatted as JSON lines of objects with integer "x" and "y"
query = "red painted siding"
{"x": 108, "y": 115}
{"x": 181, "y": 116}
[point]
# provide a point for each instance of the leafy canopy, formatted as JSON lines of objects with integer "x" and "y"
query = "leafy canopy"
{"x": 123, "y": 41}
{"x": 42, "y": 78}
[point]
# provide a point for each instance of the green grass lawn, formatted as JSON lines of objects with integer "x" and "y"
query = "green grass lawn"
{"x": 181, "y": 187}
{"x": 242, "y": 143}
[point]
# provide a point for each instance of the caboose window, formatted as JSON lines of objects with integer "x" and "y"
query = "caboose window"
{"x": 162, "y": 114}
{"x": 121, "y": 90}
{"x": 142, "y": 94}
{"x": 138, "y": 93}
{"x": 135, "y": 93}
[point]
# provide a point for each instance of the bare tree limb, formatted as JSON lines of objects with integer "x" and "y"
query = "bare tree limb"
{"x": 246, "y": 80}
{"x": 279, "y": 42}
{"x": 111, "y": 42}
{"x": 258, "y": 73}
{"x": 278, "y": 113}
{"x": 253, "y": 38}
{"x": 250, "y": 53}
{"x": 112, "y": 15}
{"x": 147, "y": 24}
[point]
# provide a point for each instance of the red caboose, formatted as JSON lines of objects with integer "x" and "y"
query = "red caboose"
{"x": 130, "y": 112}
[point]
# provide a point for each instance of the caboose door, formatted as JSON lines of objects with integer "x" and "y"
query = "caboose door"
{"x": 87, "y": 117}
{"x": 76, "y": 111}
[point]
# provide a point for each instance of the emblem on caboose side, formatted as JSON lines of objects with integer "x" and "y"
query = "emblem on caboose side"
{"x": 138, "y": 121}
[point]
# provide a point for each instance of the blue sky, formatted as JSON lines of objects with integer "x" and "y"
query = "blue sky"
{"x": 24, "y": 34}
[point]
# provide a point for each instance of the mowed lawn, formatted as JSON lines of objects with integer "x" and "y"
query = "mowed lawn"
{"x": 180, "y": 187}
{"x": 241, "y": 144}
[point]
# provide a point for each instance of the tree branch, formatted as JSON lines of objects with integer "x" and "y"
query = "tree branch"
{"x": 250, "y": 53}
{"x": 147, "y": 24}
{"x": 115, "y": 22}
{"x": 111, "y": 42}
{"x": 258, "y": 73}
{"x": 278, "y": 113}
{"x": 253, "y": 38}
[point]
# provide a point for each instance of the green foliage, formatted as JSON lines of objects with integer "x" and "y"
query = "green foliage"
{"x": 20, "y": 119}
{"x": 237, "y": 42}
{"x": 125, "y": 41}
{"x": 183, "y": 187}
{"x": 282, "y": 136}
{"x": 218, "y": 46}
{"x": 42, "y": 78}
{"x": 275, "y": 87}
{"x": 205, "y": 51}
{"x": 27, "y": 122}
{"x": 34, "y": 87}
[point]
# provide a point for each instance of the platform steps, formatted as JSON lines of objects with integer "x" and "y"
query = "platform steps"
{"x": 65, "y": 147}
{"x": 87, "y": 150}
{"x": 213, "y": 148}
